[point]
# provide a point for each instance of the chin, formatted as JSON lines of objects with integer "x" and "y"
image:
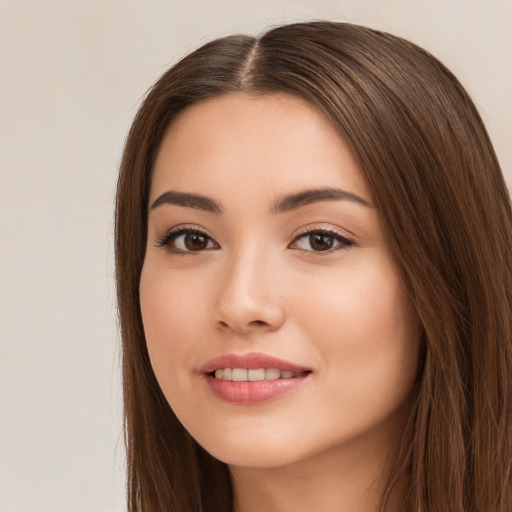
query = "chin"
{"x": 248, "y": 451}
{"x": 254, "y": 457}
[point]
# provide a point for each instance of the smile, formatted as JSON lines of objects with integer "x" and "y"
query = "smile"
{"x": 254, "y": 378}
{"x": 254, "y": 375}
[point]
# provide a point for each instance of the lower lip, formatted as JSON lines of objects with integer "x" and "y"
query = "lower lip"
{"x": 253, "y": 393}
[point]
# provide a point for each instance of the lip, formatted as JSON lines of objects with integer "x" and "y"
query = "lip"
{"x": 251, "y": 361}
{"x": 252, "y": 393}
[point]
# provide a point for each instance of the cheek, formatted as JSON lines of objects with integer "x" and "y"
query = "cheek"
{"x": 367, "y": 333}
{"x": 172, "y": 311}
{"x": 364, "y": 302}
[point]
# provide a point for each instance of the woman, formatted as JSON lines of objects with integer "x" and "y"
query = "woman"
{"x": 314, "y": 282}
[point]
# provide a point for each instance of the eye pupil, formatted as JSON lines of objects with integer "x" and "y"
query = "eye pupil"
{"x": 321, "y": 242}
{"x": 195, "y": 242}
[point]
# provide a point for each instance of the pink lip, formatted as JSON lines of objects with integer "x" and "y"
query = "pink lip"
{"x": 251, "y": 361}
{"x": 252, "y": 393}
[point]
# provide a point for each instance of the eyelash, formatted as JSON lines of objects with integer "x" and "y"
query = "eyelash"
{"x": 169, "y": 237}
{"x": 344, "y": 243}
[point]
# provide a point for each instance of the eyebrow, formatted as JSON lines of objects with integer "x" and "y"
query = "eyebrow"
{"x": 294, "y": 201}
{"x": 187, "y": 200}
{"x": 283, "y": 204}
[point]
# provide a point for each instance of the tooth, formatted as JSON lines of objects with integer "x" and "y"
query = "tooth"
{"x": 219, "y": 374}
{"x": 227, "y": 374}
{"x": 258, "y": 374}
{"x": 239, "y": 375}
{"x": 272, "y": 374}
{"x": 286, "y": 375}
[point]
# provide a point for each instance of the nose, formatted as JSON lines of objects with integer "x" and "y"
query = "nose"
{"x": 249, "y": 298}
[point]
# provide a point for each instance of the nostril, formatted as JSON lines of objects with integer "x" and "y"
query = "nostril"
{"x": 258, "y": 323}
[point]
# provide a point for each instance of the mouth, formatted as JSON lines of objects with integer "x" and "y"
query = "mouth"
{"x": 255, "y": 374}
{"x": 252, "y": 379}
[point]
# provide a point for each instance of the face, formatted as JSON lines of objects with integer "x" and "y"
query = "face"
{"x": 275, "y": 320}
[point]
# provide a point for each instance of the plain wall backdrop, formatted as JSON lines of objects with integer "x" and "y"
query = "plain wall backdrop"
{"x": 72, "y": 73}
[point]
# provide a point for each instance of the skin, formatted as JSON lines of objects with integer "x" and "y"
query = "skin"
{"x": 259, "y": 286}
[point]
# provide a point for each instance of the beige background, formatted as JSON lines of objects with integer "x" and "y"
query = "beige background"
{"x": 71, "y": 76}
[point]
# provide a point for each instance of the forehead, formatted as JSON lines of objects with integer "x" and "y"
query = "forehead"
{"x": 277, "y": 141}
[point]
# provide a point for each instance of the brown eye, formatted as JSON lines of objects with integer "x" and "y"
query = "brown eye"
{"x": 321, "y": 241}
{"x": 195, "y": 241}
{"x": 185, "y": 241}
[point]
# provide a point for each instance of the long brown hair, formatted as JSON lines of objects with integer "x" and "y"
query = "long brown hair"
{"x": 445, "y": 210}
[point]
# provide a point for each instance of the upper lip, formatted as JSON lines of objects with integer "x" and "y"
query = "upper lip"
{"x": 251, "y": 361}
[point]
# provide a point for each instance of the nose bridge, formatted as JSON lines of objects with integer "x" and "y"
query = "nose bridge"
{"x": 247, "y": 297}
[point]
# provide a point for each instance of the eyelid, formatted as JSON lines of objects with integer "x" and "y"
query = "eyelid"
{"x": 346, "y": 242}
{"x": 171, "y": 234}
